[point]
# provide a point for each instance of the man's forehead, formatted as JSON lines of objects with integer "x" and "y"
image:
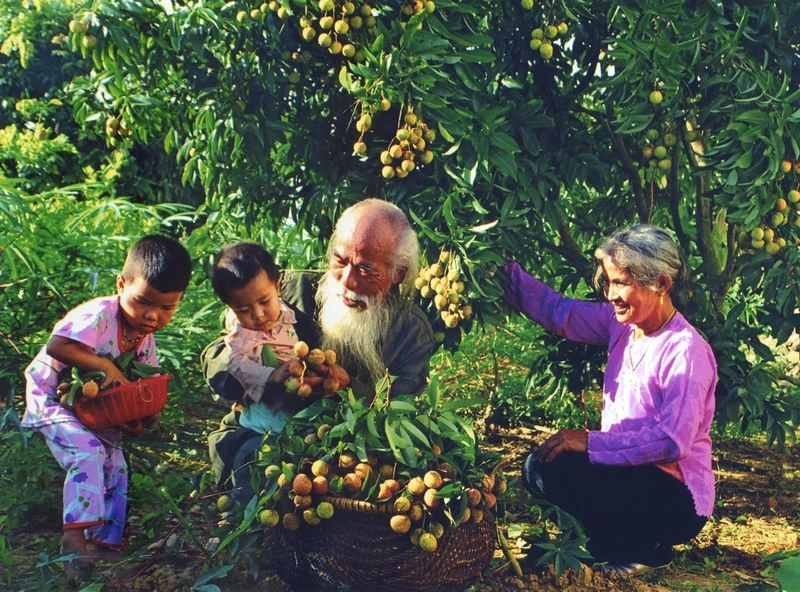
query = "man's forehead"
{"x": 369, "y": 238}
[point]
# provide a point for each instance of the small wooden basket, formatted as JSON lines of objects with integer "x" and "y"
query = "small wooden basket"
{"x": 122, "y": 404}
{"x": 357, "y": 550}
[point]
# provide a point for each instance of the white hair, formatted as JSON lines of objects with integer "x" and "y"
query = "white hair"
{"x": 405, "y": 257}
{"x": 357, "y": 335}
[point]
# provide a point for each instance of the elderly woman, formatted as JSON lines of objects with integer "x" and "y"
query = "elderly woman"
{"x": 643, "y": 482}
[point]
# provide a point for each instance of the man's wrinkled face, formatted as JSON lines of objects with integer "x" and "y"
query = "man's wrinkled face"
{"x": 360, "y": 265}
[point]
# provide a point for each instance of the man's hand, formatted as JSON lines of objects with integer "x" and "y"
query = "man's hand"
{"x": 575, "y": 440}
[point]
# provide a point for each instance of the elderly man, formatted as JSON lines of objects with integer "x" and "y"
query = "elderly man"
{"x": 360, "y": 313}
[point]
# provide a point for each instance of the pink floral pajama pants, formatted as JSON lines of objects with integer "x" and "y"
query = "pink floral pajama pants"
{"x": 96, "y": 485}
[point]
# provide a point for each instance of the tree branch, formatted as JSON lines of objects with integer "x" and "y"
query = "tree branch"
{"x": 628, "y": 165}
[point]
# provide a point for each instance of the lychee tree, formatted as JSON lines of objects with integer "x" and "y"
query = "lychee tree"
{"x": 518, "y": 129}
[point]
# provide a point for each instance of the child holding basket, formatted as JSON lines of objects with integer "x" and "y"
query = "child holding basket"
{"x": 153, "y": 279}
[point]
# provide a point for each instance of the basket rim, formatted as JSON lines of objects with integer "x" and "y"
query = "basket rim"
{"x": 150, "y": 380}
{"x": 355, "y": 505}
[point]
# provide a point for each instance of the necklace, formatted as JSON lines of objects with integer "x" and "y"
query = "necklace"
{"x": 131, "y": 340}
{"x": 644, "y": 353}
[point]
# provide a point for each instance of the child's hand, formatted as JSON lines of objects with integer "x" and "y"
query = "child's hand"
{"x": 281, "y": 373}
{"x": 114, "y": 377}
{"x": 73, "y": 353}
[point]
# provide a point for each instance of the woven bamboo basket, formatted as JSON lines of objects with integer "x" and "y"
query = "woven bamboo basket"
{"x": 123, "y": 404}
{"x": 357, "y": 550}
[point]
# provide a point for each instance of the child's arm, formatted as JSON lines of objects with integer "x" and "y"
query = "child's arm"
{"x": 74, "y": 353}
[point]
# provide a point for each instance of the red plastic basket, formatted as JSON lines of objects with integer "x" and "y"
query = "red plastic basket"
{"x": 122, "y": 404}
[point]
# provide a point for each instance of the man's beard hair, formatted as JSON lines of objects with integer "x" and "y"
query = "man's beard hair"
{"x": 357, "y": 335}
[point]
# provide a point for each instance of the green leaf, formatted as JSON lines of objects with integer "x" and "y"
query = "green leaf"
{"x": 415, "y": 432}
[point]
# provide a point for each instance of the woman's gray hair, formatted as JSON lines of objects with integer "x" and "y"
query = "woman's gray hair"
{"x": 406, "y": 254}
{"x": 646, "y": 252}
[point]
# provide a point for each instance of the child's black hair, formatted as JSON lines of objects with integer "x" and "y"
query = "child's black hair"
{"x": 236, "y": 265}
{"x": 161, "y": 261}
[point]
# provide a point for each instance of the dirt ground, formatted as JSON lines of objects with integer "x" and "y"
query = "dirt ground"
{"x": 758, "y": 513}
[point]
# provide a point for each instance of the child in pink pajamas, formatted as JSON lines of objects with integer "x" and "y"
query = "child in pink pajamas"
{"x": 152, "y": 283}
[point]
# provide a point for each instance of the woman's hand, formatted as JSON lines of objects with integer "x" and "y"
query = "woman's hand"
{"x": 574, "y": 440}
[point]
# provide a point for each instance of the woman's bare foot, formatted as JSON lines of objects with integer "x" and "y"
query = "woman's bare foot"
{"x": 74, "y": 542}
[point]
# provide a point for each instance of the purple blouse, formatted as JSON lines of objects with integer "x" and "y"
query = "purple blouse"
{"x": 658, "y": 391}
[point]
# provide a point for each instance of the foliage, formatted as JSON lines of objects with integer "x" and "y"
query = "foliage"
{"x": 106, "y": 127}
{"x": 528, "y": 152}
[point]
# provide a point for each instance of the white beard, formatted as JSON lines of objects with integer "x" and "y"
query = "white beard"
{"x": 357, "y": 335}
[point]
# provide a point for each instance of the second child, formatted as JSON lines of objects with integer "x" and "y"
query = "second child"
{"x": 263, "y": 331}
{"x": 153, "y": 279}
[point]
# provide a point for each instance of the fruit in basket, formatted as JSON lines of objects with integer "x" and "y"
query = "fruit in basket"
{"x": 416, "y": 513}
{"x": 320, "y": 468}
{"x": 433, "y": 480}
{"x": 302, "y": 502}
{"x": 268, "y": 518}
{"x": 473, "y": 496}
{"x": 325, "y": 510}
{"x": 351, "y": 482}
{"x": 311, "y": 517}
{"x": 430, "y": 499}
{"x": 347, "y": 460}
{"x": 436, "y": 530}
{"x": 291, "y": 522}
{"x": 384, "y": 492}
{"x": 320, "y": 485}
{"x": 301, "y": 484}
{"x": 90, "y": 389}
{"x": 402, "y": 505}
{"x": 416, "y": 486}
{"x": 363, "y": 470}
{"x": 428, "y": 542}
{"x": 400, "y": 523}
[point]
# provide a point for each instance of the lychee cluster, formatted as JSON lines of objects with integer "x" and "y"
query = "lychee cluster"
{"x": 766, "y": 236}
{"x": 315, "y": 372}
{"x": 542, "y": 38}
{"x": 419, "y": 503}
{"x": 68, "y": 392}
{"x": 305, "y": 495}
{"x": 116, "y": 128}
{"x": 338, "y": 27}
{"x": 80, "y": 28}
{"x": 656, "y": 152}
{"x": 412, "y": 7}
{"x": 441, "y": 283}
{"x": 409, "y": 144}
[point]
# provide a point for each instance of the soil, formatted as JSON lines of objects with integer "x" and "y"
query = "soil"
{"x": 757, "y": 514}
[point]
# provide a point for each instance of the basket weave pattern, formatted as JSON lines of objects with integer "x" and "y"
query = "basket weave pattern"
{"x": 123, "y": 404}
{"x": 357, "y": 550}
